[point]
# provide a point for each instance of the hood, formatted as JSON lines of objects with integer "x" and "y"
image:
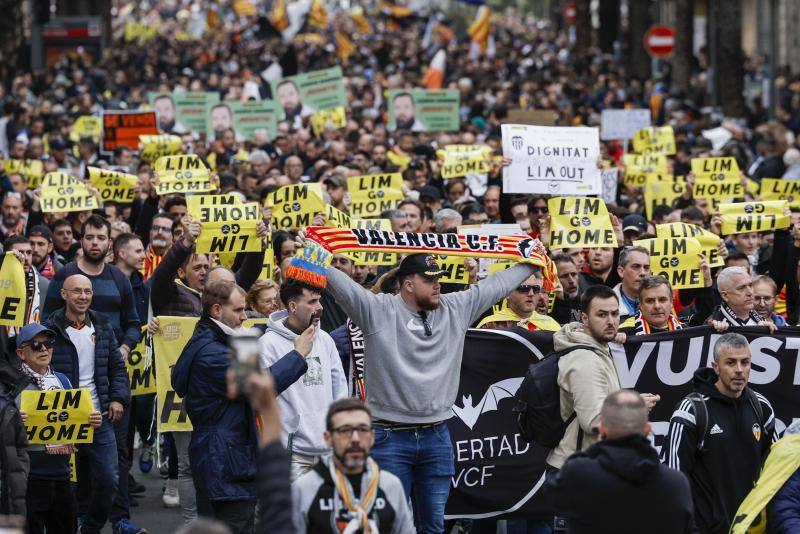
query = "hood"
{"x": 573, "y": 334}
{"x": 277, "y": 323}
{"x": 704, "y": 381}
{"x": 631, "y": 458}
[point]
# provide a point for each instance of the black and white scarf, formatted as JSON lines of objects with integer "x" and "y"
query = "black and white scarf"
{"x": 727, "y": 313}
{"x": 355, "y": 340}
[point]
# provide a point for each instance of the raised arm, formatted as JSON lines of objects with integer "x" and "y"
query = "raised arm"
{"x": 356, "y": 301}
{"x": 477, "y": 299}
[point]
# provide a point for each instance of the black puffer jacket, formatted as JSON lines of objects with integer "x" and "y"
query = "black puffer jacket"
{"x": 14, "y": 462}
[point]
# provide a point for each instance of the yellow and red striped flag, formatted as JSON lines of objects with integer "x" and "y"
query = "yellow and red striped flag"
{"x": 345, "y": 45}
{"x": 318, "y": 15}
{"x": 434, "y": 76}
{"x": 278, "y": 17}
{"x": 480, "y": 28}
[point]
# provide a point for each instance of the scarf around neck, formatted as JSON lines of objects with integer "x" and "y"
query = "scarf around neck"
{"x": 362, "y": 506}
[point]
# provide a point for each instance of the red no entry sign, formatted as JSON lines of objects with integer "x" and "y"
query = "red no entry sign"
{"x": 659, "y": 41}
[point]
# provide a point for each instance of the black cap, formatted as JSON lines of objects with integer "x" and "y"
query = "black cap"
{"x": 41, "y": 230}
{"x": 634, "y": 222}
{"x": 430, "y": 191}
{"x": 424, "y": 264}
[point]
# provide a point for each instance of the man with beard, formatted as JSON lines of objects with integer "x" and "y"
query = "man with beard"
{"x": 12, "y": 221}
{"x": 41, "y": 238}
{"x": 166, "y": 112}
{"x": 413, "y": 349}
{"x": 345, "y": 476}
{"x": 404, "y": 108}
{"x": 160, "y": 241}
{"x": 294, "y": 111}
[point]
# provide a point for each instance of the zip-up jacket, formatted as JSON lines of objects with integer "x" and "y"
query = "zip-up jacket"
{"x": 734, "y": 447}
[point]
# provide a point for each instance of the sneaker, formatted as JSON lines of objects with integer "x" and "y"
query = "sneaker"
{"x": 171, "y": 499}
{"x": 146, "y": 459}
{"x": 135, "y": 487}
{"x": 124, "y": 526}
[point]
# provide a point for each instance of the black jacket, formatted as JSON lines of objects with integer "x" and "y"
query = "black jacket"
{"x": 619, "y": 486}
{"x": 14, "y": 462}
{"x": 735, "y": 445}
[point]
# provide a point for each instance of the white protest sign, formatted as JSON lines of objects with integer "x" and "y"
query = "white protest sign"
{"x": 622, "y": 123}
{"x": 553, "y": 160}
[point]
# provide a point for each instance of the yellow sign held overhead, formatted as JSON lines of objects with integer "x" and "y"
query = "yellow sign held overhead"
{"x": 328, "y": 118}
{"x": 58, "y": 415}
{"x": 182, "y": 174}
{"x": 639, "y": 180}
{"x": 455, "y": 270}
{"x": 641, "y": 164}
{"x": 168, "y": 343}
{"x": 777, "y": 189}
{"x": 12, "y": 291}
{"x": 61, "y": 192}
{"x": 718, "y": 188}
{"x": 664, "y": 192}
{"x": 141, "y": 372}
{"x": 372, "y": 195}
{"x": 580, "y": 222}
{"x": 460, "y": 160}
{"x": 294, "y": 206}
{"x": 113, "y": 185}
{"x": 675, "y": 258}
{"x": 155, "y": 146}
{"x": 88, "y": 126}
{"x": 746, "y": 217}
{"x": 715, "y": 168}
{"x": 229, "y": 228}
{"x": 709, "y": 242}
{"x": 31, "y": 169}
{"x": 653, "y": 140}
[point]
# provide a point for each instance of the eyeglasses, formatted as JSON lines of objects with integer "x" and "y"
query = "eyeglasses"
{"x": 527, "y": 289}
{"x": 157, "y": 228}
{"x": 78, "y": 292}
{"x": 362, "y": 430}
{"x": 37, "y": 345}
{"x": 763, "y": 299}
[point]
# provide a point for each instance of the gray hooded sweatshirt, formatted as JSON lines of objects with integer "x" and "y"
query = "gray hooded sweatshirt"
{"x": 411, "y": 377}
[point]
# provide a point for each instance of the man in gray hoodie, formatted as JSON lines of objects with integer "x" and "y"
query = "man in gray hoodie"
{"x": 413, "y": 347}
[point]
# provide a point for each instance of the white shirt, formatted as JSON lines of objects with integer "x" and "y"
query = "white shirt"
{"x": 83, "y": 339}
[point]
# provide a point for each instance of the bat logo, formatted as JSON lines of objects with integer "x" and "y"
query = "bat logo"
{"x": 526, "y": 247}
{"x": 516, "y": 142}
{"x": 498, "y": 391}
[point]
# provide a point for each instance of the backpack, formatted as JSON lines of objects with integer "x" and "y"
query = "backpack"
{"x": 701, "y": 415}
{"x": 538, "y": 408}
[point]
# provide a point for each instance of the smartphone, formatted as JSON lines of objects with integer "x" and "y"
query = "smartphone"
{"x": 244, "y": 355}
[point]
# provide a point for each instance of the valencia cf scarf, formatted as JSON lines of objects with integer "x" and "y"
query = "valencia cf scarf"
{"x": 355, "y": 340}
{"x": 643, "y": 327}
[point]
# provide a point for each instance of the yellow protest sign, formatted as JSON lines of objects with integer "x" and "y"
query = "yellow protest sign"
{"x": 642, "y": 164}
{"x": 268, "y": 264}
{"x": 336, "y": 218}
{"x": 228, "y": 228}
{"x": 250, "y": 323}
{"x": 58, "y": 415}
{"x": 31, "y": 169}
{"x": 333, "y": 118}
{"x": 61, "y": 192}
{"x": 709, "y": 242}
{"x": 662, "y": 192}
{"x": 496, "y": 267}
{"x": 777, "y": 189}
{"x": 12, "y": 291}
{"x": 718, "y": 188}
{"x": 580, "y": 222}
{"x": 182, "y": 174}
{"x": 675, "y": 258}
{"x": 88, "y": 126}
{"x": 653, "y": 140}
{"x": 455, "y": 270}
{"x": 716, "y": 168}
{"x": 639, "y": 180}
{"x": 294, "y": 206}
{"x": 372, "y": 195}
{"x": 113, "y": 185}
{"x": 141, "y": 372}
{"x": 746, "y": 217}
{"x": 156, "y": 146}
{"x": 168, "y": 343}
{"x": 460, "y": 160}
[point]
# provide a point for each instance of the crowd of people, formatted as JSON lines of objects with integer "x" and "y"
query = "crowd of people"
{"x": 293, "y": 446}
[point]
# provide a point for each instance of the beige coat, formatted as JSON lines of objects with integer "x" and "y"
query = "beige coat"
{"x": 586, "y": 378}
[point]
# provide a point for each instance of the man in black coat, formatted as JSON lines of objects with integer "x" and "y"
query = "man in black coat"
{"x": 618, "y": 485}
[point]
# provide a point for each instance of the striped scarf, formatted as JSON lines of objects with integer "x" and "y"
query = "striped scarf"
{"x": 362, "y": 506}
{"x": 151, "y": 261}
{"x": 49, "y": 269}
{"x": 643, "y": 327}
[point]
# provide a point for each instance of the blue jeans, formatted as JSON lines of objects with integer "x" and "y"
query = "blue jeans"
{"x": 423, "y": 461}
{"x": 100, "y": 460}
{"x": 121, "y": 507}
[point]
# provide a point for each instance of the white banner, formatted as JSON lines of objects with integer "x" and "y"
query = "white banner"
{"x": 553, "y": 160}
{"x": 622, "y": 123}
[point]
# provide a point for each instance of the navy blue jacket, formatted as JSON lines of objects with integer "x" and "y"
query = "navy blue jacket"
{"x": 784, "y": 509}
{"x": 110, "y": 375}
{"x": 223, "y": 452}
{"x": 141, "y": 296}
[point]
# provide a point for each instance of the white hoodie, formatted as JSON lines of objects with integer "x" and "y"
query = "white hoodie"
{"x": 305, "y": 403}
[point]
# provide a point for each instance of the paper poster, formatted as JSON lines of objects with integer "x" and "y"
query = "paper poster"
{"x": 228, "y": 228}
{"x": 777, "y": 189}
{"x": 675, "y": 258}
{"x": 716, "y": 169}
{"x": 610, "y": 178}
{"x": 123, "y": 128}
{"x": 556, "y": 160}
{"x": 254, "y": 115}
{"x": 168, "y": 343}
{"x": 654, "y": 140}
{"x": 294, "y": 206}
{"x": 709, "y": 242}
{"x": 622, "y": 123}
{"x": 580, "y": 222}
{"x": 113, "y": 185}
{"x": 309, "y": 92}
{"x": 141, "y": 372}
{"x": 58, "y": 416}
{"x": 718, "y": 188}
{"x": 155, "y": 146}
{"x": 374, "y": 194}
{"x": 63, "y": 193}
{"x": 12, "y": 291}
{"x": 662, "y": 192}
{"x": 461, "y": 160}
{"x": 746, "y": 217}
{"x": 182, "y": 174}
{"x": 31, "y": 169}
{"x": 424, "y": 110}
{"x": 184, "y": 112}
{"x": 334, "y": 118}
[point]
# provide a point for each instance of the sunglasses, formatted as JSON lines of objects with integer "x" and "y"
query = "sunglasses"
{"x": 526, "y": 289}
{"x": 37, "y": 345}
{"x": 539, "y": 209}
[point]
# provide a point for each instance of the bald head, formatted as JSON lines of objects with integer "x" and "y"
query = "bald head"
{"x": 220, "y": 274}
{"x": 77, "y": 295}
{"x": 77, "y": 280}
{"x": 623, "y": 414}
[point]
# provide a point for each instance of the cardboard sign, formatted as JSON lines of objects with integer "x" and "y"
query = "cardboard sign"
{"x": 141, "y": 372}
{"x": 662, "y": 192}
{"x": 424, "y": 110}
{"x": 61, "y": 192}
{"x": 155, "y": 146}
{"x": 777, "y": 189}
{"x": 113, "y": 185}
{"x": 123, "y": 128}
{"x": 580, "y": 222}
{"x": 746, "y": 217}
{"x": 372, "y": 195}
{"x": 294, "y": 206}
{"x": 229, "y": 228}
{"x": 654, "y": 140}
{"x": 622, "y": 123}
{"x": 709, "y": 242}
{"x": 334, "y": 118}
{"x": 31, "y": 169}
{"x": 554, "y": 160}
{"x": 168, "y": 343}
{"x": 306, "y": 93}
{"x": 675, "y": 258}
{"x": 58, "y": 415}
{"x": 716, "y": 169}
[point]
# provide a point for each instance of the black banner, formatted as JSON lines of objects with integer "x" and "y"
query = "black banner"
{"x": 497, "y": 474}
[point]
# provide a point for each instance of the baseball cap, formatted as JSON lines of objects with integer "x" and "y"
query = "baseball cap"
{"x": 30, "y": 331}
{"x": 57, "y": 144}
{"x": 634, "y": 222}
{"x": 424, "y": 264}
{"x": 336, "y": 179}
{"x": 41, "y": 230}
{"x": 430, "y": 191}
